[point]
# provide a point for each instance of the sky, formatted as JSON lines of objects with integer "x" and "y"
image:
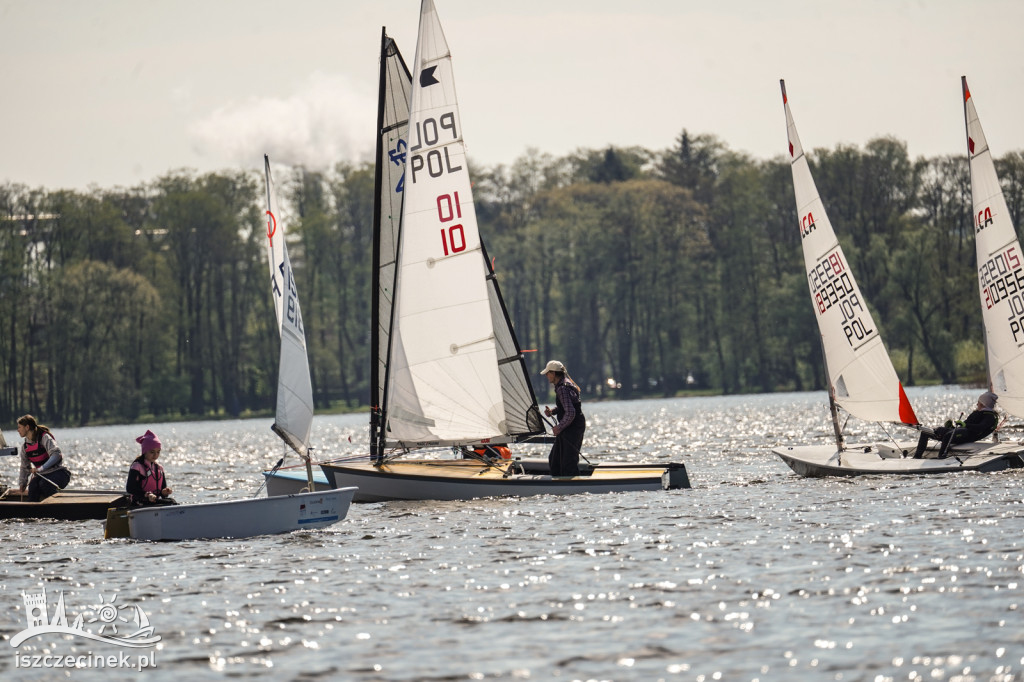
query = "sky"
{"x": 111, "y": 93}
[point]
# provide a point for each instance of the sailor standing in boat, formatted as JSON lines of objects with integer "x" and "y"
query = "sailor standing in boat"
{"x": 979, "y": 424}
{"x": 564, "y": 459}
{"x": 41, "y": 457}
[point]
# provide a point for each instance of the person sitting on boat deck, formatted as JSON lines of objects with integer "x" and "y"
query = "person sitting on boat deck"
{"x": 42, "y": 458}
{"x": 980, "y": 423}
{"x": 147, "y": 483}
{"x": 564, "y": 459}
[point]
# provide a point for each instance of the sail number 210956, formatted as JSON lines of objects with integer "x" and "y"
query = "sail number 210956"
{"x": 453, "y": 238}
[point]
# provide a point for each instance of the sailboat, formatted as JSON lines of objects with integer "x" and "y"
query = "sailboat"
{"x": 862, "y": 380}
{"x": 293, "y": 423}
{"x": 447, "y": 369}
{"x": 1000, "y": 268}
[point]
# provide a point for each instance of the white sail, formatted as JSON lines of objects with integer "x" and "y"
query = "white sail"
{"x": 294, "y": 417}
{"x": 859, "y": 369}
{"x": 392, "y": 148}
{"x": 443, "y": 384}
{"x": 1000, "y": 269}
{"x": 521, "y": 412}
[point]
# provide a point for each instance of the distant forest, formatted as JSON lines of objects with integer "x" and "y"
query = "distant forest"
{"x": 647, "y": 273}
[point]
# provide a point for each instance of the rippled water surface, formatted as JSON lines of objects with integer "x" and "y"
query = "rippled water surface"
{"x": 754, "y": 574}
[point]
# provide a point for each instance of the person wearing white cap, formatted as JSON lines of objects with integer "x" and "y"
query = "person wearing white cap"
{"x": 979, "y": 424}
{"x": 564, "y": 459}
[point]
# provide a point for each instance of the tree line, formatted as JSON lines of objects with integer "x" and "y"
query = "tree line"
{"x": 649, "y": 273}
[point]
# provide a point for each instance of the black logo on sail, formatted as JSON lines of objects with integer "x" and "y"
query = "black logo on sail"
{"x": 427, "y": 77}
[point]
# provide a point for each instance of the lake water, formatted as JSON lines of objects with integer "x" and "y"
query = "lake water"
{"x": 754, "y": 574}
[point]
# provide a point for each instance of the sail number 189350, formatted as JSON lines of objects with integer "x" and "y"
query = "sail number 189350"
{"x": 453, "y": 238}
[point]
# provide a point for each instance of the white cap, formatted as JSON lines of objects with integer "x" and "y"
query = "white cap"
{"x": 554, "y": 366}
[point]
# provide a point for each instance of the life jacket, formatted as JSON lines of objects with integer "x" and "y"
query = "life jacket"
{"x": 36, "y": 453}
{"x": 985, "y": 424}
{"x": 574, "y": 398}
{"x": 152, "y": 478}
{"x": 501, "y": 450}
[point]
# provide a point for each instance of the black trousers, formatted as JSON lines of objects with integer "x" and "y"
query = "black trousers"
{"x": 39, "y": 489}
{"x": 947, "y": 435}
{"x": 564, "y": 459}
{"x": 143, "y": 502}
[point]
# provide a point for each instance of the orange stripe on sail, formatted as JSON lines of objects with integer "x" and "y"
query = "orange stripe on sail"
{"x": 907, "y": 415}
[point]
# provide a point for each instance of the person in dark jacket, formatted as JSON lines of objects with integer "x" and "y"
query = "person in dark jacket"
{"x": 564, "y": 459}
{"x": 147, "y": 483}
{"x": 979, "y": 424}
{"x": 42, "y": 458}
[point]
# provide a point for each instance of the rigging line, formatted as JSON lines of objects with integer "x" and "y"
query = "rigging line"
{"x": 439, "y": 463}
{"x": 397, "y": 453}
{"x": 892, "y": 439}
{"x": 272, "y": 471}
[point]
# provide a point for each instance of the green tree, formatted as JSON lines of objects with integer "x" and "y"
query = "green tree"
{"x": 104, "y": 325}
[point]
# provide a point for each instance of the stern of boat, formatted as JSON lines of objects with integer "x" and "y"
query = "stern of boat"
{"x": 675, "y": 477}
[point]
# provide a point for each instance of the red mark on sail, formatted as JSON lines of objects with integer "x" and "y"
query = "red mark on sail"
{"x": 970, "y": 143}
{"x": 967, "y": 93}
{"x": 907, "y": 415}
{"x": 271, "y": 227}
{"x": 791, "y": 149}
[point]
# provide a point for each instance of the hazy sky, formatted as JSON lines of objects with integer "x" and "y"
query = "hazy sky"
{"x": 119, "y": 92}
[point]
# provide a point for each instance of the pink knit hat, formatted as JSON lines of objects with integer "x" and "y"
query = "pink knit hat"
{"x": 148, "y": 441}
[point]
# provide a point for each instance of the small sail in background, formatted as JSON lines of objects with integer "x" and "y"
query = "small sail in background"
{"x": 294, "y": 417}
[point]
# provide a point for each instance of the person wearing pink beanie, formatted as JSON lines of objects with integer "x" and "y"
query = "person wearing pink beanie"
{"x": 147, "y": 483}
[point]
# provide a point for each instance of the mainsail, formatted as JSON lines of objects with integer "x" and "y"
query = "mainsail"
{"x": 1000, "y": 269}
{"x": 450, "y": 345}
{"x": 294, "y": 417}
{"x": 859, "y": 370}
{"x": 389, "y": 181}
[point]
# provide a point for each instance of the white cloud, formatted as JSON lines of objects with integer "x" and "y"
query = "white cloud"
{"x": 326, "y": 121}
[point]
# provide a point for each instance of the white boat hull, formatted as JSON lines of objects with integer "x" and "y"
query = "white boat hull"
{"x": 467, "y": 479}
{"x": 240, "y": 518}
{"x": 294, "y": 482}
{"x": 877, "y": 458}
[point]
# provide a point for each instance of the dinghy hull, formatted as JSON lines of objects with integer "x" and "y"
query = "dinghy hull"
{"x": 873, "y": 459}
{"x": 469, "y": 479}
{"x": 67, "y": 505}
{"x": 240, "y": 518}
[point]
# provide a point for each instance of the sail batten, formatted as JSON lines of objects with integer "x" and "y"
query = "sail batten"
{"x": 859, "y": 369}
{"x": 1000, "y": 268}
